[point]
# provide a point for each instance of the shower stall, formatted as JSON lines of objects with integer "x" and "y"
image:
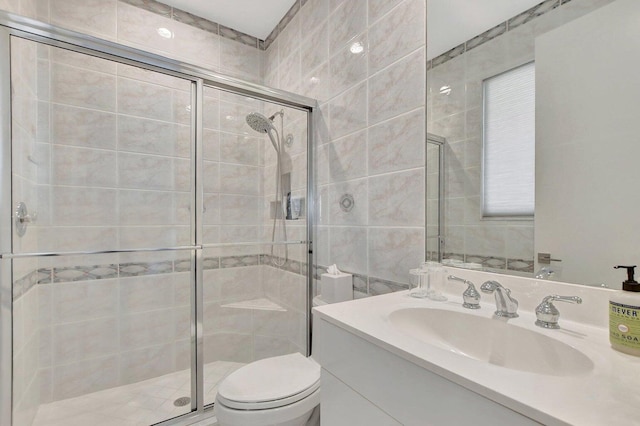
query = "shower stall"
{"x": 151, "y": 241}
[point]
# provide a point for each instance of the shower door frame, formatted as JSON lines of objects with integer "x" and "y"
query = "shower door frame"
{"x": 36, "y": 31}
{"x": 441, "y": 143}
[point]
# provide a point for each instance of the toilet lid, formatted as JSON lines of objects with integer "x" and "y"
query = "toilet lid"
{"x": 285, "y": 378}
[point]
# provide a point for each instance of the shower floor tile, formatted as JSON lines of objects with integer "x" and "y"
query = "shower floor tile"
{"x": 138, "y": 404}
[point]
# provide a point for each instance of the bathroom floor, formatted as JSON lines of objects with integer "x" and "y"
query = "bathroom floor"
{"x": 138, "y": 404}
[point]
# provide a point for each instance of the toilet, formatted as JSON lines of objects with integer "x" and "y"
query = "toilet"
{"x": 278, "y": 391}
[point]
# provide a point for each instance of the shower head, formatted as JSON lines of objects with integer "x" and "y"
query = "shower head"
{"x": 259, "y": 122}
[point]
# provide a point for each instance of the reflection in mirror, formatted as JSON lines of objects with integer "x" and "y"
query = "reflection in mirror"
{"x": 435, "y": 194}
{"x": 585, "y": 93}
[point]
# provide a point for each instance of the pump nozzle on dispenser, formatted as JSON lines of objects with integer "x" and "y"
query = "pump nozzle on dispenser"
{"x": 631, "y": 283}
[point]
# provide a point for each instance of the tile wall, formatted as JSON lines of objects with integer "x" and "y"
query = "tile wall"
{"x": 495, "y": 243}
{"x": 365, "y": 63}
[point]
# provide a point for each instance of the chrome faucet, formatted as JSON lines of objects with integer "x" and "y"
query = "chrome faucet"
{"x": 545, "y": 273}
{"x": 547, "y": 314}
{"x": 506, "y": 306}
{"x": 470, "y": 296}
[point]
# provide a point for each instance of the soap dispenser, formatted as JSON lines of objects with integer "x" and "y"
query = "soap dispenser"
{"x": 624, "y": 315}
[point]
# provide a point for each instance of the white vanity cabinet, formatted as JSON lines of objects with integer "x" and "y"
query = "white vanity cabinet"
{"x": 364, "y": 384}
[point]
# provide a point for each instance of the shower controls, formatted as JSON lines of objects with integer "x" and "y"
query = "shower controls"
{"x": 22, "y": 218}
{"x": 296, "y": 207}
{"x": 347, "y": 202}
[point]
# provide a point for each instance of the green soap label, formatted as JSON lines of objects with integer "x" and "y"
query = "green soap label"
{"x": 624, "y": 325}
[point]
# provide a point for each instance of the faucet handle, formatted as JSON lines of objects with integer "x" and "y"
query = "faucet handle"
{"x": 471, "y": 297}
{"x": 547, "y": 314}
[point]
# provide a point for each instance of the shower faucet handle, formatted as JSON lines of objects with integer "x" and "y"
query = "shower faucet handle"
{"x": 22, "y": 218}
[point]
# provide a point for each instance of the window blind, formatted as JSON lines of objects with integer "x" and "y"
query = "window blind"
{"x": 509, "y": 143}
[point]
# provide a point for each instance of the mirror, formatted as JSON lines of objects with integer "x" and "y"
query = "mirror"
{"x": 585, "y": 111}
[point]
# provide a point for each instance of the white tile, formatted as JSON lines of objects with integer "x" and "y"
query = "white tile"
{"x": 347, "y": 21}
{"x": 348, "y": 112}
{"x": 347, "y": 157}
{"x": 393, "y": 251}
{"x": 397, "y": 199}
{"x": 397, "y": 144}
{"x": 348, "y": 66}
{"x": 83, "y": 88}
{"x": 397, "y": 34}
{"x": 82, "y": 15}
{"x": 398, "y": 88}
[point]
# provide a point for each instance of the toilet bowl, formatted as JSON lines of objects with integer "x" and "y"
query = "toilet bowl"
{"x": 282, "y": 391}
{"x": 278, "y": 391}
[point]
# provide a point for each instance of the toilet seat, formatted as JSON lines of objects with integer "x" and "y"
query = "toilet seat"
{"x": 270, "y": 383}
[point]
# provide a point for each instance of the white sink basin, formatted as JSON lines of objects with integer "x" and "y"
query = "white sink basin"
{"x": 491, "y": 340}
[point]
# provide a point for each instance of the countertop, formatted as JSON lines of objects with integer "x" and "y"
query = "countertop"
{"x": 607, "y": 395}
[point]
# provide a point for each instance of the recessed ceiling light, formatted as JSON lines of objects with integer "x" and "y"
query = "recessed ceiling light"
{"x": 357, "y": 47}
{"x": 165, "y": 32}
{"x": 230, "y": 117}
{"x": 314, "y": 80}
{"x": 445, "y": 90}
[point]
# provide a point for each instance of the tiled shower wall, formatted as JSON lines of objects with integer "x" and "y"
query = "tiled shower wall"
{"x": 365, "y": 63}
{"x": 457, "y": 115}
{"x": 104, "y": 161}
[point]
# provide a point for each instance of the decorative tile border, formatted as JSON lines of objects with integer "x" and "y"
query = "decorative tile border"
{"x": 495, "y": 263}
{"x": 366, "y": 285}
{"x": 195, "y": 21}
{"x": 378, "y": 286}
{"x": 288, "y": 17}
{"x": 209, "y": 263}
{"x": 533, "y": 13}
{"x": 521, "y": 265}
{"x": 503, "y": 28}
{"x": 289, "y": 265}
{"x": 137, "y": 269}
{"x": 239, "y": 261}
{"x": 363, "y": 285}
{"x": 184, "y": 265}
{"x": 23, "y": 285}
{"x": 487, "y": 261}
{"x": 84, "y": 273}
{"x": 229, "y": 33}
{"x": 66, "y": 274}
{"x": 152, "y": 6}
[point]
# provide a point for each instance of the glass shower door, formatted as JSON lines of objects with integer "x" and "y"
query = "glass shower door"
{"x": 101, "y": 176}
{"x": 255, "y": 291}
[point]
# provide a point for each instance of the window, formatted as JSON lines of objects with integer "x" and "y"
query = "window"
{"x": 509, "y": 143}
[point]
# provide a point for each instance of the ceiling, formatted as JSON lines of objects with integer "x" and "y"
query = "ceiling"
{"x": 449, "y": 22}
{"x": 254, "y": 17}
{"x": 452, "y": 22}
